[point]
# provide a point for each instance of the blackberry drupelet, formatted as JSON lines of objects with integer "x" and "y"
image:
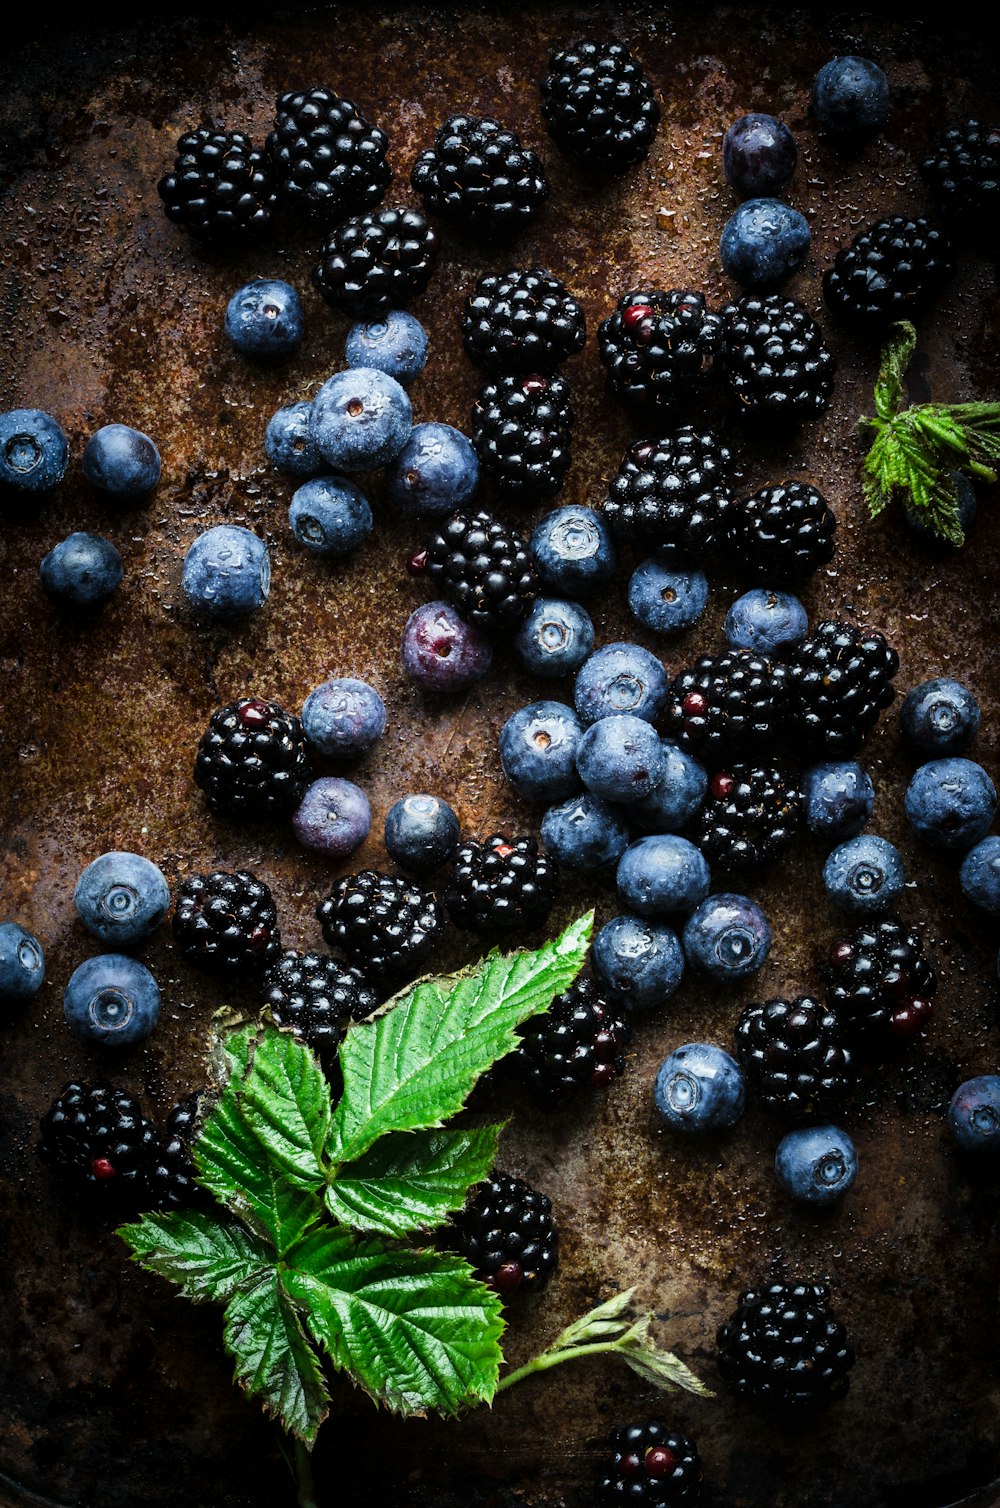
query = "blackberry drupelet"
{"x": 252, "y": 760}
{"x": 507, "y": 1234}
{"x": 775, "y": 360}
{"x": 221, "y": 188}
{"x": 878, "y": 982}
{"x": 227, "y": 922}
{"x": 782, "y": 533}
{"x": 749, "y": 816}
{"x": 372, "y": 263}
{"x": 793, "y": 1053}
{"x": 329, "y": 161}
{"x": 673, "y": 493}
{"x": 782, "y": 1345}
{"x": 652, "y": 1467}
{"x": 384, "y": 925}
{"x": 317, "y": 996}
{"x": 173, "y": 1172}
{"x": 734, "y": 701}
{"x": 578, "y": 1042}
{"x": 658, "y": 348}
{"x": 483, "y": 567}
{"x": 98, "y": 1136}
{"x": 521, "y": 431}
{"x": 891, "y": 270}
{"x": 599, "y": 105}
{"x": 479, "y": 176}
{"x": 522, "y": 322}
{"x": 500, "y": 884}
{"x": 839, "y": 680}
{"x": 963, "y": 174}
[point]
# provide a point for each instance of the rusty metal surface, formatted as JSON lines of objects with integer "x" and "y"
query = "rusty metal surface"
{"x": 114, "y": 1393}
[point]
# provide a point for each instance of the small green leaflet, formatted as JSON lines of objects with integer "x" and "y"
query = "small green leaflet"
{"x": 410, "y": 1181}
{"x": 208, "y": 1256}
{"x": 275, "y": 1361}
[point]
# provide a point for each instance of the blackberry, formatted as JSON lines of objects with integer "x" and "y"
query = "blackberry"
{"x": 891, "y": 270}
{"x": 507, "y": 1234}
{"x": 963, "y": 174}
{"x": 599, "y": 105}
{"x": 775, "y": 360}
{"x": 732, "y": 701}
{"x": 782, "y": 533}
{"x": 578, "y": 1042}
{"x": 252, "y": 760}
{"x": 839, "y": 680}
{"x": 376, "y": 262}
{"x": 521, "y": 431}
{"x": 782, "y": 1345}
{"x": 98, "y": 1136}
{"x": 172, "y": 1174}
{"x": 480, "y": 177}
{"x": 316, "y": 996}
{"x": 522, "y": 322}
{"x": 227, "y": 922}
{"x": 500, "y": 884}
{"x": 384, "y": 925}
{"x": 483, "y": 567}
{"x": 652, "y": 1467}
{"x": 749, "y": 816}
{"x": 659, "y": 349}
{"x": 793, "y": 1053}
{"x": 329, "y": 161}
{"x": 673, "y": 493}
{"x": 878, "y": 981}
{"x": 221, "y": 188}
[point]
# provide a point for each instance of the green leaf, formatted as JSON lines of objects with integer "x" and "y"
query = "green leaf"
{"x": 208, "y": 1256}
{"x": 284, "y": 1096}
{"x": 895, "y": 359}
{"x": 414, "y": 1328}
{"x": 275, "y": 1360}
{"x": 411, "y": 1180}
{"x": 413, "y": 1067}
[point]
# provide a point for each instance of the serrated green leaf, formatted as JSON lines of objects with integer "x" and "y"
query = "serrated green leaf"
{"x": 414, "y": 1067}
{"x": 208, "y": 1256}
{"x": 275, "y": 1360}
{"x": 411, "y": 1180}
{"x": 415, "y": 1329}
{"x": 896, "y": 356}
{"x": 284, "y": 1096}
{"x": 662, "y": 1368}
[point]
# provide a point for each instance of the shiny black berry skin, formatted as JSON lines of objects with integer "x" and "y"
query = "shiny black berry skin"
{"x": 484, "y": 569}
{"x": 328, "y": 160}
{"x": 963, "y": 174}
{"x": 795, "y": 1057}
{"x": 734, "y": 702}
{"x": 659, "y": 348}
{"x": 782, "y": 533}
{"x": 507, "y": 1235}
{"x": 673, "y": 493}
{"x": 521, "y": 431}
{"x": 480, "y": 177}
{"x": 782, "y": 1346}
{"x": 221, "y": 188}
{"x": 227, "y": 922}
{"x": 652, "y": 1466}
{"x": 317, "y": 996}
{"x": 599, "y": 105}
{"x": 252, "y": 760}
{"x": 384, "y": 925}
{"x": 878, "y": 982}
{"x": 839, "y": 680}
{"x": 375, "y": 262}
{"x": 578, "y": 1043}
{"x": 522, "y": 321}
{"x": 172, "y": 1174}
{"x": 749, "y": 816}
{"x": 775, "y": 360}
{"x": 892, "y": 270}
{"x": 501, "y": 884}
{"x": 97, "y": 1135}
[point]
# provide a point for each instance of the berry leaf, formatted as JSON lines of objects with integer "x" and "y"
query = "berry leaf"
{"x": 207, "y": 1257}
{"x": 275, "y": 1360}
{"x": 411, "y": 1181}
{"x": 284, "y": 1096}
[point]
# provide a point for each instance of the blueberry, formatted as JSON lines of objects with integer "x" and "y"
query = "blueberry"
{"x": 621, "y": 678}
{"x": 816, "y": 1164}
{"x": 436, "y": 471}
{"x": 330, "y": 516}
{"x": 940, "y": 716}
{"x": 22, "y": 963}
{"x": 727, "y": 937}
{"x": 441, "y": 651}
{"x": 678, "y": 796}
{"x": 34, "y": 451}
{"x": 699, "y": 1088}
{"x": 951, "y": 803}
{"x": 554, "y": 637}
{"x": 360, "y": 419}
{"x": 766, "y": 621}
{"x": 265, "y": 320}
{"x": 620, "y": 758}
{"x": 850, "y": 97}
{"x": 967, "y": 507}
{"x": 864, "y": 875}
{"x": 538, "y": 745}
{"x": 343, "y": 717}
{"x": 974, "y": 1114}
{"x": 112, "y": 1001}
{"x": 573, "y": 551}
{"x": 333, "y": 817}
{"x": 640, "y": 962}
{"x": 838, "y": 797}
{"x": 395, "y": 344}
{"x": 758, "y": 155}
{"x": 227, "y": 572}
{"x": 121, "y": 898}
{"x": 763, "y": 243}
{"x": 82, "y": 570}
{"x": 421, "y": 832}
{"x": 121, "y": 461}
{"x": 289, "y": 444}
{"x": 662, "y": 874}
{"x": 585, "y": 833}
{"x": 979, "y": 875}
{"x": 664, "y": 599}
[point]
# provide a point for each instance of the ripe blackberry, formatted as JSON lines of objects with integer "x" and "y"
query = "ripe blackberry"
{"x": 500, "y": 884}
{"x": 329, "y": 161}
{"x": 507, "y": 1234}
{"x": 98, "y": 1136}
{"x": 479, "y": 176}
{"x": 599, "y": 106}
{"x": 578, "y": 1042}
{"x": 793, "y": 1053}
{"x": 521, "y": 431}
{"x": 732, "y": 701}
{"x": 376, "y": 262}
{"x": 782, "y": 1345}
{"x": 963, "y": 174}
{"x": 483, "y": 567}
{"x": 384, "y": 925}
{"x": 522, "y": 322}
{"x": 891, "y": 270}
{"x": 839, "y": 680}
{"x": 673, "y": 493}
{"x": 878, "y": 981}
{"x": 749, "y": 816}
{"x": 659, "y": 348}
{"x": 782, "y": 533}
{"x": 227, "y": 922}
{"x": 317, "y": 996}
{"x": 652, "y": 1467}
{"x": 172, "y": 1173}
{"x": 252, "y": 760}
{"x": 221, "y": 188}
{"x": 775, "y": 360}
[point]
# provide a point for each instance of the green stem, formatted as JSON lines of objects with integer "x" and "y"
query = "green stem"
{"x": 553, "y": 1358}
{"x": 304, "y": 1480}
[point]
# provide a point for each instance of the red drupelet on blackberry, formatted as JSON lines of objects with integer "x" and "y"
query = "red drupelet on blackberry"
{"x": 775, "y": 360}
{"x": 222, "y": 187}
{"x": 227, "y": 922}
{"x": 659, "y": 348}
{"x": 879, "y": 984}
{"x": 329, "y": 161}
{"x": 252, "y": 760}
{"x": 794, "y": 1054}
{"x": 97, "y": 1135}
{"x": 317, "y": 997}
{"x": 507, "y": 1234}
{"x": 386, "y": 926}
{"x": 781, "y": 533}
{"x": 733, "y": 702}
{"x": 483, "y": 567}
{"x": 652, "y": 1467}
{"x": 839, "y": 680}
{"x": 783, "y": 1346}
{"x": 500, "y": 884}
{"x": 376, "y": 262}
{"x": 892, "y": 270}
{"x": 522, "y": 322}
{"x": 521, "y": 431}
{"x": 578, "y": 1043}
{"x": 481, "y": 177}
{"x": 963, "y": 174}
{"x": 749, "y": 816}
{"x": 599, "y": 105}
{"x": 673, "y": 493}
